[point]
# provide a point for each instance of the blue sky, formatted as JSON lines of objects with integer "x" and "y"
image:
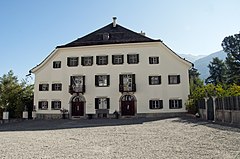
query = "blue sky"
{"x": 30, "y": 30}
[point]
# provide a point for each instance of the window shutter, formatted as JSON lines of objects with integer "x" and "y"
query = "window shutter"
{"x": 83, "y": 80}
{"x": 178, "y": 78}
{"x": 60, "y": 87}
{"x": 137, "y": 58}
{"x": 149, "y": 58}
{"x": 82, "y": 61}
{"x": 96, "y": 103}
{"x": 149, "y": 80}
{"x": 97, "y": 60}
{"x": 122, "y": 59}
{"x": 160, "y": 79}
{"x": 106, "y": 60}
{"x": 96, "y": 80}
{"x": 52, "y": 104}
{"x": 161, "y": 104}
{"x": 133, "y": 78}
{"x": 150, "y": 104}
{"x": 120, "y": 83}
{"x": 91, "y": 60}
{"x": 53, "y": 88}
{"x": 180, "y": 103}
{"x": 108, "y": 80}
{"x": 169, "y": 79}
{"x": 68, "y": 61}
{"x": 113, "y": 59}
{"x": 40, "y": 105}
{"x": 170, "y": 104}
{"x": 157, "y": 59}
{"x": 108, "y": 103}
{"x": 40, "y": 87}
{"x": 128, "y": 59}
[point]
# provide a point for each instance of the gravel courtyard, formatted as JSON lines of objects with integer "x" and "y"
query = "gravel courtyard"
{"x": 119, "y": 138}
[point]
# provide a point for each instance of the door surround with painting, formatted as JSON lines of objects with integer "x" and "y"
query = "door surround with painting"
{"x": 128, "y": 105}
{"x": 77, "y": 106}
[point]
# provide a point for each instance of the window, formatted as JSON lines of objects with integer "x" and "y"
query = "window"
{"x": 175, "y": 103}
{"x": 56, "y": 87}
{"x": 102, "y": 60}
{"x": 153, "y": 60}
{"x": 77, "y": 84}
{"x": 102, "y": 80}
{"x": 127, "y": 83}
{"x": 117, "y": 59}
{"x": 56, "y": 64}
{"x": 155, "y": 104}
{"x": 132, "y": 58}
{"x": 72, "y": 61}
{"x": 173, "y": 79}
{"x": 43, "y": 87}
{"x": 102, "y": 103}
{"x": 56, "y": 105}
{"x": 154, "y": 80}
{"x": 87, "y": 61}
{"x": 43, "y": 105}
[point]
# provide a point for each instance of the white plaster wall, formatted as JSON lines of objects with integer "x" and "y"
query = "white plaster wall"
{"x": 169, "y": 64}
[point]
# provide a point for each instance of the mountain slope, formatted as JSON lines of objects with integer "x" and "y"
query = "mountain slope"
{"x": 191, "y": 57}
{"x": 202, "y": 63}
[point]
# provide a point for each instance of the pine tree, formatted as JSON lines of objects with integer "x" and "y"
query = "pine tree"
{"x": 231, "y": 45}
{"x": 217, "y": 70}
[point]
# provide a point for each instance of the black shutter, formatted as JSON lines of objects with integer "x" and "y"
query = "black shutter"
{"x": 106, "y": 60}
{"x": 157, "y": 59}
{"x": 180, "y": 103}
{"x": 97, "y": 60}
{"x": 82, "y": 61}
{"x": 128, "y": 61}
{"x": 52, "y": 104}
{"x": 170, "y": 104}
{"x": 137, "y": 58}
{"x": 113, "y": 59}
{"x": 53, "y": 88}
{"x": 39, "y": 105}
{"x": 91, "y": 60}
{"x": 150, "y": 60}
{"x": 161, "y": 104}
{"x": 96, "y": 103}
{"x": 178, "y": 79}
{"x": 108, "y": 103}
{"x": 122, "y": 56}
{"x": 77, "y": 61}
{"x": 160, "y": 79}
{"x": 134, "y": 83}
{"x": 120, "y": 83}
{"x": 84, "y": 87}
{"x": 149, "y": 80}
{"x": 96, "y": 80}
{"x": 40, "y": 87}
{"x": 169, "y": 82}
{"x": 108, "y": 80}
{"x": 150, "y": 104}
{"x": 133, "y": 78}
{"x": 68, "y": 61}
{"x": 60, "y": 87}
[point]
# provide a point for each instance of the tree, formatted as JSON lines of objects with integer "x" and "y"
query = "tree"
{"x": 217, "y": 70}
{"x": 14, "y": 95}
{"x": 231, "y": 45}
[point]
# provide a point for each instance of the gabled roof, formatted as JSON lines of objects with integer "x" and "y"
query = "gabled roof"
{"x": 109, "y": 35}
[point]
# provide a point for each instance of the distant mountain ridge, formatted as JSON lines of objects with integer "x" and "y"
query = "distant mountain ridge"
{"x": 201, "y": 62}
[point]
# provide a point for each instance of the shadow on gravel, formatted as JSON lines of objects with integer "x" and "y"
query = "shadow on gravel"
{"x": 211, "y": 124}
{"x": 36, "y": 125}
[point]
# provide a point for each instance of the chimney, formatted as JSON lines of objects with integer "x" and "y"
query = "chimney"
{"x": 114, "y": 21}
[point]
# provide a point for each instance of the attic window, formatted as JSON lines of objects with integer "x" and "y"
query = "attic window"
{"x": 105, "y": 36}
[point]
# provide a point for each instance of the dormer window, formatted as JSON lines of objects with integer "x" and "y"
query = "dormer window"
{"x": 105, "y": 36}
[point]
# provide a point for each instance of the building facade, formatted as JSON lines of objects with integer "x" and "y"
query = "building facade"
{"x": 111, "y": 69}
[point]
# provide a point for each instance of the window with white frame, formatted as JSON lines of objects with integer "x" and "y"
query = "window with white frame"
{"x": 155, "y": 104}
{"x": 56, "y": 87}
{"x": 132, "y": 58}
{"x": 87, "y": 61}
{"x": 102, "y": 80}
{"x": 72, "y": 61}
{"x": 43, "y": 105}
{"x": 117, "y": 59}
{"x": 154, "y": 80}
{"x": 173, "y": 79}
{"x": 175, "y": 104}
{"x": 102, "y": 60}
{"x": 102, "y": 103}
{"x": 43, "y": 87}
{"x": 154, "y": 60}
{"x": 56, "y": 105}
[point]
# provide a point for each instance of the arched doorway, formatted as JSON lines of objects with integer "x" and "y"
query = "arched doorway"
{"x": 78, "y": 106}
{"x": 128, "y": 105}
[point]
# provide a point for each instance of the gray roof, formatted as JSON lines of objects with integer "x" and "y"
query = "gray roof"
{"x": 109, "y": 35}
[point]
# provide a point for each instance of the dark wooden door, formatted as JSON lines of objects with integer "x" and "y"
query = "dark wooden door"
{"x": 127, "y": 108}
{"x": 77, "y": 108}
{"x": 210, "y": 111}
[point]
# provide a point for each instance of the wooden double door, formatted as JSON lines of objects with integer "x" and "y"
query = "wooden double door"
{"x": 127, "y": 105}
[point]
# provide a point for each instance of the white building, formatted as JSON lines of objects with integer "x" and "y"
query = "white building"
{"x": 111, "y": 69}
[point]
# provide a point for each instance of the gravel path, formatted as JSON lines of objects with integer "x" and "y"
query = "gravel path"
{"x": 125, "y": 138}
